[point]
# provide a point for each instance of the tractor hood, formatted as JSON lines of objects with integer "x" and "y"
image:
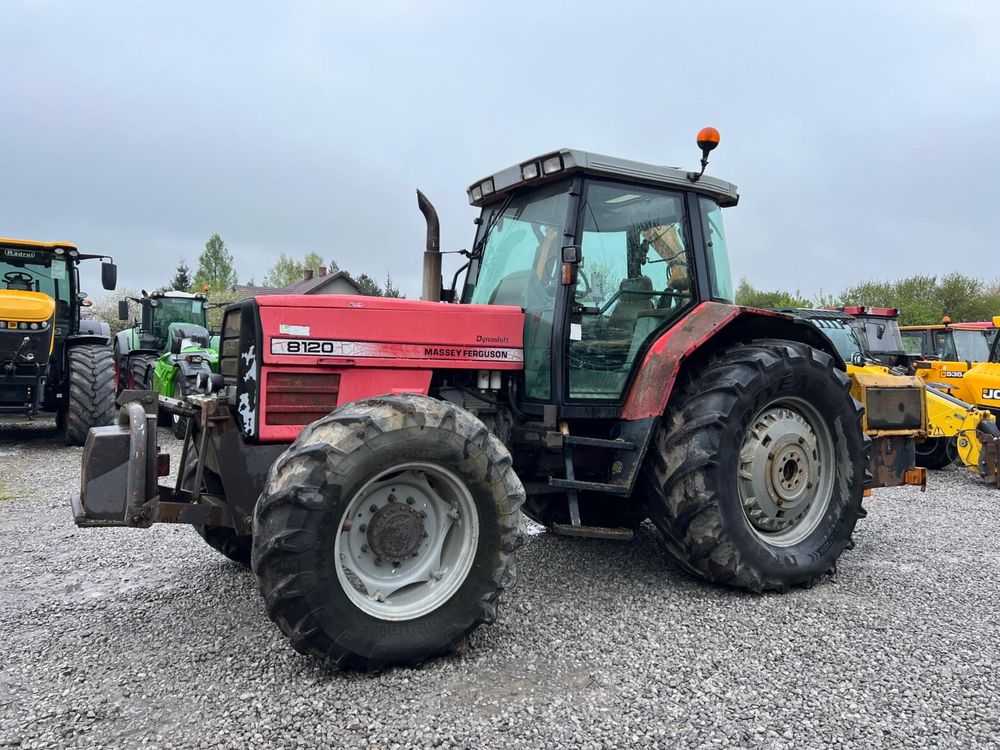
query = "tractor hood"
{"x": 387, "y": 332}
{"x": 25, "y": 307}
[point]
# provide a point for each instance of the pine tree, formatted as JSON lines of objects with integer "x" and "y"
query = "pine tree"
{"x": 182, "y": 278}
{"x": 391, "y": 290}
{"x": 368, "y": 286}
{"x": 215, "y": 266}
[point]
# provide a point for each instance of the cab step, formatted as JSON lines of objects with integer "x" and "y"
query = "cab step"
{"x": 594, "y": 532}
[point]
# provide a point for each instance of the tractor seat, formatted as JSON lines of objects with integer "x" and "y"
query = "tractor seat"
{"x": 177, "y": 332}
{"x": 634, "y": 299}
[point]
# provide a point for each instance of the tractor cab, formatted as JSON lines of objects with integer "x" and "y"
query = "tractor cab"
{"x": 162, "y": 309}
{"x": 137, "y": 348}
{"x": 881, "y": 326}
{"x": 602, "y": 254}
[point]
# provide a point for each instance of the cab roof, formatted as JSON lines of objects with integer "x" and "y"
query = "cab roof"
{"x": 974, "y": 326}
{"x": 35, "y": 244}
{"x": 556, "y": 165}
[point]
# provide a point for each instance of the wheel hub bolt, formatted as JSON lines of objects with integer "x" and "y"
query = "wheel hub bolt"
{"x": 364, "y": 548}
{"x": 453, "y": 514}
{"x": 437, "y": 574}
{"x": 410, "y": 501}
{"x": 363, "y": 528}
{"x": 392, "y": 498}
{"x": 378, "y": 561}
{"x": 372, "y": 508}
{"x": 396, "y": 563}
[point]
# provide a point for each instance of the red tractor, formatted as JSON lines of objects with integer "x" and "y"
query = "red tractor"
{"x": 369, "y": 457}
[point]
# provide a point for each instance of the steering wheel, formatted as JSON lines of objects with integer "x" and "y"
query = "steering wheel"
{"x": 19, "y": 278}
{"x": 582, "y": 277}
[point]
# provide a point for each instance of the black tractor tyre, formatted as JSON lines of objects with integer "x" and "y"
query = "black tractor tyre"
{"x": 90, "y": 393}
{"x": 936, "y": 453}
{"x": 141, "y": 367}
{"x": 301, "y": 519}
{"x": 179, "y": 424}
{"x": 222, "y": 539}
{"x": 696, "y": 479}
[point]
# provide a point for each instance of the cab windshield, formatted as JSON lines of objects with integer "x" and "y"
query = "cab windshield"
{"x": 520, "y": 241}
{"x": 35, "y": 271}
{"x": 883, "y": 335}
{"x": 847, "y": 336}
{"x": 167, "y": 310}
{"x": 964, "y": 345}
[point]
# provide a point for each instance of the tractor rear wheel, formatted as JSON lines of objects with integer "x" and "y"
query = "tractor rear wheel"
{"x": 757, "y": 473}
{"x": 386, "y": 532}
{"x": 91, "y": 391}
{"x": 936, "y": 453}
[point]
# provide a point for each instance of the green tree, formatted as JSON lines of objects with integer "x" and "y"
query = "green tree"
{"x": 215, "y": 266}
{"x": 923, "y": 299}
{"x": 368, "y": 286}
{"x": 182, "y": 278}
{"x": 391, "y": 290}
{"x": 285, "y": 271}
{"x": 748, "y": 294}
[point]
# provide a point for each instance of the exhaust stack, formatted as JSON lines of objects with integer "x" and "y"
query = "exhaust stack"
{"x": 432, "y": 252}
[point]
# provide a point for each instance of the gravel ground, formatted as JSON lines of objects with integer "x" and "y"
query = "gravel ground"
{"x": 118, "y": 637}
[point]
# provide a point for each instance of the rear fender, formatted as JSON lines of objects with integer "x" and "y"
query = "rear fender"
{"x": 711, "y": 326}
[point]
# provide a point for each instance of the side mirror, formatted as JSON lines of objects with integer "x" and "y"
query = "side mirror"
{"x": 570, "y": 262}
{"x": 122, "y": 309}
{"x": 109, "y": 276}
{"x": 447, "y": 295}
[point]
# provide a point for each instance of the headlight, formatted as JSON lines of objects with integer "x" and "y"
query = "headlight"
{"x": 529, "y": 171}
{"x": 477, "y": 193}
{"x": 552, "y": 164}
{"x": 487, "y": 187}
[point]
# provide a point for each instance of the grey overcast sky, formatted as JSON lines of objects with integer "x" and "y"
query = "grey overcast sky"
{"x": 863, "y": 135}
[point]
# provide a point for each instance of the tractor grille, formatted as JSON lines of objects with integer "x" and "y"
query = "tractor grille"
{"x": 298, "y": 398}
{"x": 893, "y": 408}
{"x": 229, "y": 345}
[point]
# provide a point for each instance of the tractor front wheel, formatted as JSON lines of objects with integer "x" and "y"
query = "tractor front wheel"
{"x": 223, "y": 539}
{"x": 758, "y": 471}
{"x": 386, "y": 532}
{"x": 91, "y": 392}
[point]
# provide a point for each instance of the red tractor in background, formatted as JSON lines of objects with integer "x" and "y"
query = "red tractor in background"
{"x": 369, "y": 457}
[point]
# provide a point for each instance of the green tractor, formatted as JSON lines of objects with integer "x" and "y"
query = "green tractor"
{"x": 168, "y": 348}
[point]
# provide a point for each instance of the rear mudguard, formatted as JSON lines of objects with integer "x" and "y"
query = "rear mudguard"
{"x": 709, "y": 327}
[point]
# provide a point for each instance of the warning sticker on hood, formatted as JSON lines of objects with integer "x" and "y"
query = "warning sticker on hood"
{"x": 291, "y": 330}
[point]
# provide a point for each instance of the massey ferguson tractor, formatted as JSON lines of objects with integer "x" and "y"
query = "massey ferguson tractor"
{"x": 369, "y": 457}
{"x": 51, "y": 358}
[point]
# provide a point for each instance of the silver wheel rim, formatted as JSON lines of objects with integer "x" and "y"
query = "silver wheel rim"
{"x": 407, "y": 541}
{"x": 786, "y": 472}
